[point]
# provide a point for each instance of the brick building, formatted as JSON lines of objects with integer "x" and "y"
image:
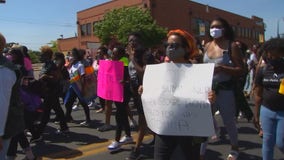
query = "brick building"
{"x": 184, "y": 14}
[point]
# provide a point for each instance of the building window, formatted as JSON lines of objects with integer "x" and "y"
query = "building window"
{"x": 257, "y": 35}
{"x": 83, "y": 30}
{"x": 199, "y": 27}
{"x": 239, "y": 31}
{"x": 252, "y": 34}
{"x": 86, "y": 29}
{"x": 94, "y": 23}
{"x": 249, "y": 36}
{"x": 89, "y": 29}
{"x": 235, "y": 31}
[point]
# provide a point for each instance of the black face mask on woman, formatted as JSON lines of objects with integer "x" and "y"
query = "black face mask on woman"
{"x": 278, "y": 64}
{"x": 175, "y": 53}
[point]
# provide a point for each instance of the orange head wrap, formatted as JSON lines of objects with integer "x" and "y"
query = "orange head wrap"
{"x": 189, "y": 38}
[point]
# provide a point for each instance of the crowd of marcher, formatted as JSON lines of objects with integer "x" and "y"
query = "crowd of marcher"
{"x": 241, "y": 72}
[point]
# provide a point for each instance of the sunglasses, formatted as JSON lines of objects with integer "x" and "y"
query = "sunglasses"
{"x": 172, "y": 45}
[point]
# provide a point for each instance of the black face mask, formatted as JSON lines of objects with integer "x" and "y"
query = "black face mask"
{"x": 278, "y": 64}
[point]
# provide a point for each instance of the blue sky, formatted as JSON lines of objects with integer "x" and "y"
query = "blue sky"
{"x": 35, "y": 23}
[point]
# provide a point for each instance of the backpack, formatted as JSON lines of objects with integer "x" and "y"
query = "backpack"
{"x": 15, "y": 119}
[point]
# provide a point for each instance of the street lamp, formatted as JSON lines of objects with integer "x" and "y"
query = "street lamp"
{"x": 2, "y": 1}
{"x": 278, "y": 35}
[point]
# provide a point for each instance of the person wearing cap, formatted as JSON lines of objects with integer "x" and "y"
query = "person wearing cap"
{"x": 180, "y": 48}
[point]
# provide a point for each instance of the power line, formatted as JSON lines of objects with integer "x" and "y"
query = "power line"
{"x": 38, "y": 23}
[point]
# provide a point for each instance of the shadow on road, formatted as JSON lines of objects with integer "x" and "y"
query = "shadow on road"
{"x": 49, "y": 148}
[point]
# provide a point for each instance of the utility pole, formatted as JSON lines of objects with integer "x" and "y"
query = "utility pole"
{"x": 278, "y": 36}
{"x": 278, "y": 21}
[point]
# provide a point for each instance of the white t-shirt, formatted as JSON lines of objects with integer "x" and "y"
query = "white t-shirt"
{"x": 252, "y": 59}
{"x": 77, "y": 69}
{"x": 7, "y": 80}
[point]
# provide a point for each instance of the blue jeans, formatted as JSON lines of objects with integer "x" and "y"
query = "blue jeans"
{"x": 3, "y": 152}
{"x": 272, "y": 123}
{"x": 69, "y": 100}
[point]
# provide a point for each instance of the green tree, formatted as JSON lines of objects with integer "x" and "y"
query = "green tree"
{"x": 118, "y": 23}
{"x": 34, "y": 56}
{"x": 53, "y": 45}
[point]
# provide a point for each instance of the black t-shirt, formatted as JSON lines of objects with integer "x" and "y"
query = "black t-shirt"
{"x": 146, "y": 58}
{"x": 50, "y": 68}
{"x": 270, "y": 81}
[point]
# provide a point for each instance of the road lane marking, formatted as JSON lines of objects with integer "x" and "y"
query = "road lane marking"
{"x": 86, "y": 151}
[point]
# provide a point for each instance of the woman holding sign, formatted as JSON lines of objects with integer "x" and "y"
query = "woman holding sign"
{"x": 180, "y": 48}
{"x": 121, "y": 115}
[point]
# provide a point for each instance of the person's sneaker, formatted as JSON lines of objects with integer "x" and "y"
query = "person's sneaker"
{"x": 217, "y": 113}
{"x": 133, "y": 124}
{"x": 114, "y": 146}
{"x": 101, "y": 110}
{"x": 56, "y": 122}
{"x": 233, "y": 155}
{"x": 85, "y": 123}
{"x": 35, "y": 139}
{"x": 28, "y": 133}
{"x": 105, "y": 127}
{"x": 62, "y": 132}
{"x": 134, "y": 155}
{"x": 75, "y": 107}
{"x": 126, "y": 140}
{"x": 240, "y": 115}
{"x": 90, "y": 104}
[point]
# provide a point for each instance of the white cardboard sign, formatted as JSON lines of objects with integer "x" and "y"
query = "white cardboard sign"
{"x": 175, "y": 100}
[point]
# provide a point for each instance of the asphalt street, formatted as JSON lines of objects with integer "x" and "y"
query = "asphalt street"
{"x": 87, "y": 143}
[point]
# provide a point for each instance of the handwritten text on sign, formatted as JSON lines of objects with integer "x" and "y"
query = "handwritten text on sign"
{"x": 175, "y": 99}
{"x": 110, "y": 75}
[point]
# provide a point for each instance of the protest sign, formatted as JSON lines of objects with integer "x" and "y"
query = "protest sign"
{"x": 175, "y": 99}
{"x": 110, "y": 75}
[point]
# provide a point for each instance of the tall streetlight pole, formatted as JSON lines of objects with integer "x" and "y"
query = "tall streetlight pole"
{"x": 278, "y": 36}
{"x": 278, "y": 21}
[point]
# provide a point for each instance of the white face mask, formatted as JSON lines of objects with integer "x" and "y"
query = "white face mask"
{"x": 216, "y": 32}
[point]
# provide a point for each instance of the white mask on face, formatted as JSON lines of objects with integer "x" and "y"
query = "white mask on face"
{"x": 216, "y": 32}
